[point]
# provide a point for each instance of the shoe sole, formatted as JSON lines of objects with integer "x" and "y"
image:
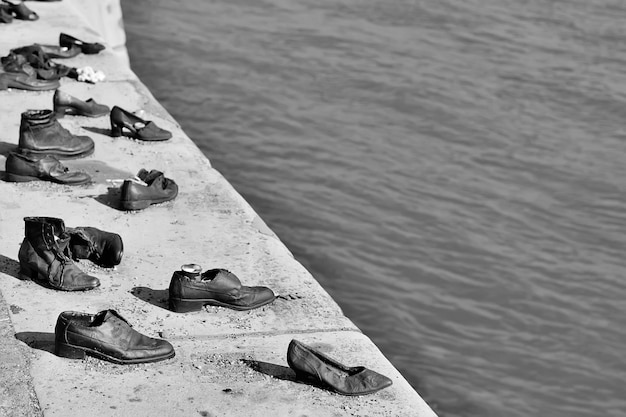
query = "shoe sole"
{"x": 142, "y": 204}
{"x": 59, "y": 154}
{"x": 182, "y": 305}
{"x": 62, "y": 111}
{"x": 26, "y": 178}
{"x": 65, "y": 350}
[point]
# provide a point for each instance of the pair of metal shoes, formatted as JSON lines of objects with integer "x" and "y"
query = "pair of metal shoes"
{"x": 42, "y": 143}
{"x": 49, "y": 249}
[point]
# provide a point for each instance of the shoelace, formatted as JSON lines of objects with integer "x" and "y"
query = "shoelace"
{"x": 118, "y": 182}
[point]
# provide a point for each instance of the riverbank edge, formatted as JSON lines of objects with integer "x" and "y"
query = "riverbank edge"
{"x": 339, "y": 330}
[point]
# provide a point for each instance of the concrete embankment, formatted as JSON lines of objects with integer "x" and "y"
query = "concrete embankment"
{"x": 227, "y": 363}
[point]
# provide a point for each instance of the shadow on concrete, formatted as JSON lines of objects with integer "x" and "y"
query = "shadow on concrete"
{"x": 6, "y": 147}
{"x": 111, "y": 198}
{"x": 280, "y": 372}
{"x": 10, "y": 267}
{"x": 157, "y": 298}
{"x": 98, "y": 130}
{"x": 37, "y": 340}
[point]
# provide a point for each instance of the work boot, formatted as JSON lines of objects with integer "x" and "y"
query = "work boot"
{"x": 44, "y": 256}
{"x": 42, "y": 134}
{"x": 100, "y": 247}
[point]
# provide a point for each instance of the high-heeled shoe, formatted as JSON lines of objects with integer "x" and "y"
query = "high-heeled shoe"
{"x": 127, "y": 124}
{"x": 309, "y": 363}
{"x": 87, "y": 48}
{"x": 66, "y": 104}
{"x": 20, "y": 11}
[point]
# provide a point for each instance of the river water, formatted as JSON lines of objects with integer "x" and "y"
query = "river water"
{"x": 453, "y": 172}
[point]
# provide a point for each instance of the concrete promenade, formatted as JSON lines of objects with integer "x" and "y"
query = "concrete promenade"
{"x": 227, "y": 363}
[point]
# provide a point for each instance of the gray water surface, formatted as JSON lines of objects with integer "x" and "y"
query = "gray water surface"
{"x": 452, "y": 172}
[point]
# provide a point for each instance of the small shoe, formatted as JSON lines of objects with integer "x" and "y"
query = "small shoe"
{"x": 24, "y": 168}
{"x": 68, "y": 41}
{"x": 308, "y": 363}
{"x": 20, "y": 11}
{"x": 148, "y": 188}
{"x": 66, "y": 104}
{"x": 102, "y": 248}
{"x": 216, "y": 287}
{"x": 108, "y": 336}
{"x": 125, "y": 123}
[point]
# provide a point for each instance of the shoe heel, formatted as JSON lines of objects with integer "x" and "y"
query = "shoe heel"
{"x": 116, "y": 131}
{"x": 67, "y": 351}
{"x": 19, "y": 178}
{"x": 27, "y": 273}
{"x": 59, "y": 111}
{"x": 184, "y": 306}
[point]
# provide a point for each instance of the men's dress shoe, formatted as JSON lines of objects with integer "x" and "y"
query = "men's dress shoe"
{"x": 308, "y": 363}
{"x": 23, "y": 168}
{"x": 42, "y": 134}
{"x": 216, "y": 287}
{"x": 100, "y": 247}
{"x": 150, "y": 188}
{"x": 126, "y": 123}
{"x": 44, "y": 256}
{"x": 68, "y": 41}
{"x": 66, "y": 104}
{"x": 24, "y": 81}
{"x": 106, "y": 335}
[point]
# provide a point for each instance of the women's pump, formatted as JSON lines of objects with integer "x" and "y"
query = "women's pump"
{"x": 126, "y": 123}
{"x": 87, "y": 48}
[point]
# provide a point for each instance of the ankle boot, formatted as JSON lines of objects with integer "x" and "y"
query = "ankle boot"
{"x": 41, "y": 134}
{"x": 100, "y": 247}
{"x": 44, "y": 256}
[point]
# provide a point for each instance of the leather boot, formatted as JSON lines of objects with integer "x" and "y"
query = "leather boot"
{"x": 41, "y": 134}
{"x": 100, "y": 247}
{"x": 44, "y": 256}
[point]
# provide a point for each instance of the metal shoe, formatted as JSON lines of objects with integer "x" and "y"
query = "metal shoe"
{"x": 41, "y": 134}
{"x": 44, "y": 256}
{"x": 190, "y": 291}
{"x": 102, "y": 248}
{"x": 106, "y": 335}
{"x": 23, "y": 168}
{"x": 309, "y": 363}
